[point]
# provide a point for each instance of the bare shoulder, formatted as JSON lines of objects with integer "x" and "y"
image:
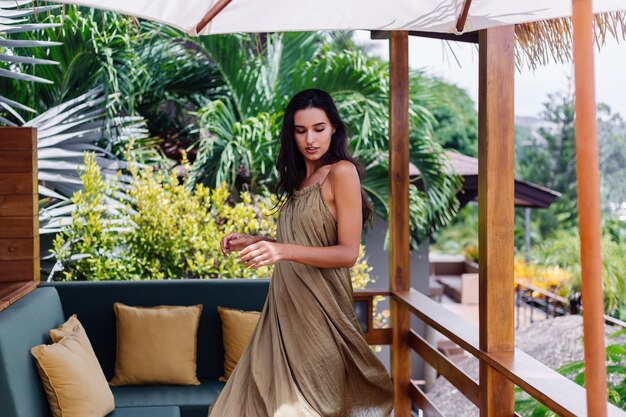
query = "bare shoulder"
{"x": 344, "y": 173}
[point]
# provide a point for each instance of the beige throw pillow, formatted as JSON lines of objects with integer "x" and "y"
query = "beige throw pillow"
{"x": 237, "y": 329}
{"x": 156, "y": 345}
{"x": 71, "y": 374}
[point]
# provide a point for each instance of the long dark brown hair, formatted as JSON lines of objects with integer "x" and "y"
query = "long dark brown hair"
{"x": 290, "y": 162}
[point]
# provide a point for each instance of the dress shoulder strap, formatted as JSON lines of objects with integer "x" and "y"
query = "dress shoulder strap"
{"x": 326, "y": 177}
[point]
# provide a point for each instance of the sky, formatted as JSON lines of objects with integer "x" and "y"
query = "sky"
{"x": 437, "y": 57}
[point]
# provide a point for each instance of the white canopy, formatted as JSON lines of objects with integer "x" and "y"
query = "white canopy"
{"x": 294, "y": 15}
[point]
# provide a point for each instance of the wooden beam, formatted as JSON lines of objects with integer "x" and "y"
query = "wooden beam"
{"x": 10, "y": 292}
{"x": 456, "y": 376}
{"x": 496, "y": 213}
{"x": 379, "y": 336}
{"x": 589, "y": 219}
{"x": 423, "y": 402}
{"x": 460, "y": 24}
{"x": 400, "y": 279}
{"x": 210, "y": 15}
{"x": 449, "y": 324}
{"x": 468, "y": 37}
{"x": 554, "y": 390}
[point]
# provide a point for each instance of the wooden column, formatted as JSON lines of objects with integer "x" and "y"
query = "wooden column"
{"x": 19, "y": 218}
{"x": 399, "y": 273}
{"x": 496, "y": 212}
{"x": 588, "y": 183}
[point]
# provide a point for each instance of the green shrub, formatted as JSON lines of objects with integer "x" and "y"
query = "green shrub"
{"x": 89, "y": 247}
{"x": 563, "y": 249}
{"x": 527, "y": 406}
{"x": 166, "y": 230}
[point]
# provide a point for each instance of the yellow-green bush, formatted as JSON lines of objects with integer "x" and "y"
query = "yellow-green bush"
{"x": 170, "y": 231}
{"x": 89, "y": 247}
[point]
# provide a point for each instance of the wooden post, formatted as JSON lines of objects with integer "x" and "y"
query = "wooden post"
{"x": 19, "y": 214}
{"x": 399, "y": 218}
{"x": 496, "y": 212}
{"x": 587, "y": 176}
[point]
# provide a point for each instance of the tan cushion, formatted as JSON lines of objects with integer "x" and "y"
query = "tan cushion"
{"x": 237, "y": 328}
{"x": 70, "y": 326}
{"x": 156, "y": 345}
{"x": 71, "y": 374}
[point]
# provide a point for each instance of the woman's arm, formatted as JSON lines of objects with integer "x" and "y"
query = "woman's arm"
{"x": 345, "y": 186}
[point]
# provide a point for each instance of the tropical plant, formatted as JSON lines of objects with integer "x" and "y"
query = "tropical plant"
{"x": 612, "y": 140}
{"x": 563, "y": 250}
{"x": 64, "y": 134}
{"x": 460, "y": 234}
{"x": 88, "y": 245}
{"x": 238, "y": 84}
{"x": 550, "y": 278}
{"x": 12, "y": 66}
{"x": 165, "y": 230}
{"x": 456, "y": 116}
{"x": 545, "y": 158}
{"x": 239, "y": 131}
{"x": 527, "y": 406}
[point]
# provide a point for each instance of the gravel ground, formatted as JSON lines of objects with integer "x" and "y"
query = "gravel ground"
{"x": 553, "y": 342}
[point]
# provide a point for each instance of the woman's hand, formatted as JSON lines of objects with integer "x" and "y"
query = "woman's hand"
{"x": 236, "y": 242}
{"x": 262, "y": 253}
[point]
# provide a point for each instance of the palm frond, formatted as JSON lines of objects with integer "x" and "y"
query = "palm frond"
{"x": 12, "y": 21}
{"x": 65, "y": 133}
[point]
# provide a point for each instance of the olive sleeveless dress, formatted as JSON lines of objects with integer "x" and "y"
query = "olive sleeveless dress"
{"x": 307, "y": 356}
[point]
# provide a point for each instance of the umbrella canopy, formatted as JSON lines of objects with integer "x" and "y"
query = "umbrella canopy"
{"x": 290, "y": 15}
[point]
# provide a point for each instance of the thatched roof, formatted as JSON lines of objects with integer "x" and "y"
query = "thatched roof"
{"x": 538, "y": 42}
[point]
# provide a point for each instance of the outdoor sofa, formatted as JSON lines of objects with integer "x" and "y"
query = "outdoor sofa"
{"x": 459, "y": 279}
{"x": 27, "y": 322}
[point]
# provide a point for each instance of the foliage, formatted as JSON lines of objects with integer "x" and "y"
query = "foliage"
{"x": 471, "y": 253}
{"x": 456, "y": 116}
{"x": 547, "y": 159}
{"x": 166, "y": 230}
{"x": 462, "y": 232}
{"x": 563, "y": 250}
{"x": 612, "y": 140}
{"x": 239, "y": 130}
{"x": 66, "y": 131}
{"x": 177, "y": 232}
{"x": 13, "y": 67}
{"x": 616, "y": 381}
{"x": 230, "y": 90}
{"x": 89, "y": 244}
{"x": 549, "y": 278}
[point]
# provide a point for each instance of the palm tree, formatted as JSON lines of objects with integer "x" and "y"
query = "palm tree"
{"x": 239, "y": 130}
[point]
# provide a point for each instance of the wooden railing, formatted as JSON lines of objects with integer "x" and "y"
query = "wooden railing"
{"x": 552, "y": 304}
{"x": 552, "y": 389}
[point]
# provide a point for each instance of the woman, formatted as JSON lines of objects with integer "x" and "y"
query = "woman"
{"x": 307, "y": 356}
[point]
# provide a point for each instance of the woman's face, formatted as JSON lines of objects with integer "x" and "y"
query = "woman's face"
{"x": 312, "y": 132}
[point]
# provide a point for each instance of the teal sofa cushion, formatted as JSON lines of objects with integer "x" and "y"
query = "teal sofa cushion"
{"x": 23, "y": 325}
{"x": 93, "y": 302}
{"x": 188, "y": 398}
{"x": 146, "y": 412}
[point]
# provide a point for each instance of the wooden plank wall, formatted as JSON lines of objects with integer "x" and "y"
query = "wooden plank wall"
{"x": 19, "y": 218}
